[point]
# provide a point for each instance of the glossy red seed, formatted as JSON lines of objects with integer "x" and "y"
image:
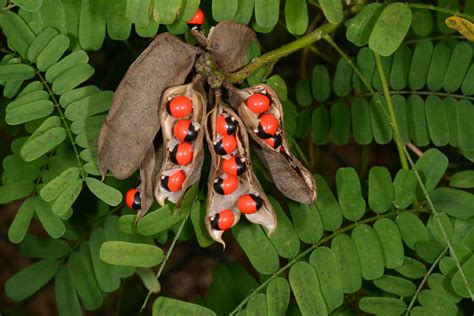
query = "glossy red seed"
{"x": 184, "y": 131}
{"x": 274, "y": 141}
{"x": 182, "y": 154}
{"x": 225, "y": 125}
{"x": 174, "y": 182}
{"x": 258, "y": 103}
{"x": 132, "y": 199}
{"x": 226, "y": 145}
{"x": 180, "y": 106}
{"x": 226, "y": 185}
{"x": 267, "y": 126}
{"x": 249, "y": 203}
{"x": 223, "y": 220}
{"x": 198, "y": 18}
{"x": 233, "y": 166}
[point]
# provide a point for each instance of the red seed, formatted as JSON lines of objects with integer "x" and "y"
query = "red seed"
{"x": 227, "y": 185}
{"x": 132, "y": 199}
{"x": 198, "y": 18}
{"x": 225, "y": 125}
{"x": 226, "y": 145}
{"x": 267, "y": 126}
{"x": 223, "y": 220}
{"x": 185, "y": 131}
{"x": 180, "y": 106}
{"x": 174, "y": 182}
{"x": 182, "y": 154}
{"x": 234, "y": 166}
{"x": 249, "y": 203}
{"x": 258, "y": 103}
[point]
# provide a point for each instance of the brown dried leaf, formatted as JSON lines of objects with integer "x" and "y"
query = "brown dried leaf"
{"x": 196, "y": 93}
{"x": 230, "y": 43}
{"x": 288, "y": 174}
{"x": 133, "y": 121}
{"x": 248, "y": 183}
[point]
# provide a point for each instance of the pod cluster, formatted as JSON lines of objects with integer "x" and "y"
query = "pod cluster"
{"x": 232, "y": 188}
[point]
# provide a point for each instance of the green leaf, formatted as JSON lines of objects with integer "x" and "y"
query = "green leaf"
{"x": 40, "y": 42}
{"x": 131, "y": 254}
{"x": 391, "y": 242}
{"x": 137, "y": 11}
{"x": 360, "y": 115}
{"x": 198, "y": 212}
{"x": 417, "y": 120}
{"x": 320, "y": 83}
{"x": 50, "y": 221}
{"x": 458, "y": 66}
{"x": 16, "y": 170}
{"x": 284, "y": 238}
{"x": 436, "y": 304}
{"x": 439, "y": 64}
{"x": 67, "y": 198}
{"x": 325, "y": 263}
{"x": 16, "y": 72}
{"x": 463, "y": 179}
{"x": 38, "y": 146}
{"x": 75, "y": 58}
{"x": 429, "y": 250}
{"x": 345, "y": 251}
{"x": 220, "y": 297}
{"x": 223, "y": 9}
{"x": 289, "y": 113}
{"x": 52, "y": 52}
{"x": 52, "y": 13}
{"x": 82, "y": 277}
{"x": 278, "y": 296}
{"x": 165, "y": 12}
{"x": 405, "y": 185}
{"x": 257, "y": 304}
{"x": 72, "y": 78}
{"x": 432, "y": 165}
{"x": 400, "y": 67}
{"x": 380, "y": 121}
{"x": 168, "y": 306}
{"x": 454, "y": 202}
{"x": 342, "y": 78}
{"x": 29, "y": 5}
{"x": 118, "y": 26}
{"x": 67, "y": 301}
{"x": 44, "y": 248}
{"x": 390, "y": 29}
{"x": 29, "y": 112}
{"x": 320, "y": 125}
{"x": 465, "y": 128}
{"x": 92, "y": 23}
{"x": 387, "y": 67}
{"x": 90, "y": 105}
{"x": 76, "y": 95}
{"x": 18, "y": 33}
{"x": 106, "y": 274}
{"x": 296, "y": 16}
{"x": 244, "y": 11}
{"x": 105, "y": 192}
{"x": 349, "y": 194}
{"x": 382, "y": 305}
{"x": 329, "y": 209}
{"x": 267, "y": 12}
{"x": 112, "y": 232}
{"x": 257, "y": 247}
{"x": 305, "y": 286}
{"x": 15, "y": 191}
{"x": 366, "y": 63}
{"x": 332, "y": 10}
{"x": 28, "y": 281}
{"x": 468, "y": 83}
{"x": 160, "y": 220}
{"x": 412, "y": 229}
{"x": 440, "y": 284}
{"x": 279, "y": 85}
{"x": 423, "y": 22}
{"x": 420, "y": 64}
{"x": 380, "y": 189}
{"x": 27, "y": 98}
{"x": 303, "y": 92}
{"x": 412, "y": 269}
{"x": 148, "y": 30}
{"x": 53, "y": 188}
{"x": 395, "y": 285}
{"x": 340, "y": 123}
{"x": 437, "y": 120}
{"x": 21, "y": 222}
{"x": 360, "y": 27}
{"x": 369, "y": 250}
{"x": 307, "y": 222}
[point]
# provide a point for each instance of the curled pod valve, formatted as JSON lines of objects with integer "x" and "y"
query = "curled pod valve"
{"x": 133, "y": 199}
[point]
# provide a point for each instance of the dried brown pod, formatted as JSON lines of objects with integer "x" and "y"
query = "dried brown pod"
{"x": 248, "y": 183}
{"x": 195, "y": 92}
{"x": 229, "y": 44}
{"x": 133, "y": 122}
{"x": 288, "y": 174}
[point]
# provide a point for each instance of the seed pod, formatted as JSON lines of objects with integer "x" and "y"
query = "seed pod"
{"x": 229, "y": 44}
{"x": 174, "y": 191}
{"x": 247, "y": 182}
{"x": 165, "y": 62}
{"x": 288, "y": 174}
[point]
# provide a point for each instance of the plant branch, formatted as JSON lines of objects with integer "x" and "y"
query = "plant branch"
{"x": 439, "y": 9}
{"x": 283, "y": 51}
{"x": 438, "y": 221}
{"x": 314, "y": 246}
{"x": 391, "y": 111}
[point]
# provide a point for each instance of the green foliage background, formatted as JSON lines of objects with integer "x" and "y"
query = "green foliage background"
{"x": 391, "y": 237}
